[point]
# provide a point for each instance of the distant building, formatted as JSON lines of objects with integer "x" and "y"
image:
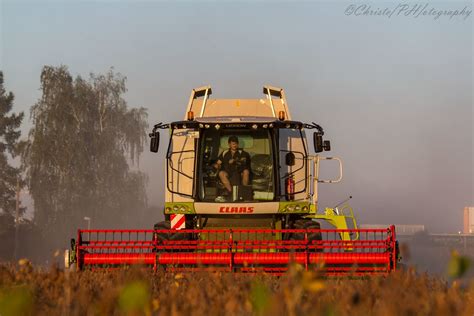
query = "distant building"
{"x": 468, "y": 220}
{"x": 400, "y": 229}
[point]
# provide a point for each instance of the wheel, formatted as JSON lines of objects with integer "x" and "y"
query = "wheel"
{"x": 169, "y": 236}
{"x": 164, "y": 237}
{"x": 314, "y": 235}
{"x": 305, "y": 224}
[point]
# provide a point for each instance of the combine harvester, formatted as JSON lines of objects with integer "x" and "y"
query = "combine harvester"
{"x": 241, "y": 195}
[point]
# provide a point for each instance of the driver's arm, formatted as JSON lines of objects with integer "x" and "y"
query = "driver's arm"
{"x": 218, "y": 163}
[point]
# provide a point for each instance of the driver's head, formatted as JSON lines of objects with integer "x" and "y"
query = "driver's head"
{"x": 233, "y": 142}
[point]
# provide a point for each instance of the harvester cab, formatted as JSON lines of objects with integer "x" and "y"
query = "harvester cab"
{"x": 241, "y": 194}
{"x": 268, "y": 180}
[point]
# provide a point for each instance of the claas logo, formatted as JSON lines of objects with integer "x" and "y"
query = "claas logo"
{"x": 236, "y": 209}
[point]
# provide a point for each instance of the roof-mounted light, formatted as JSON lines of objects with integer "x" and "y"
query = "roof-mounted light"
{"x": 281, "y": 115}
{"x": 190, "y": 116}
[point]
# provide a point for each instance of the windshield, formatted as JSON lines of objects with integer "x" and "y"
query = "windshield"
{"x": 236, "y": 166}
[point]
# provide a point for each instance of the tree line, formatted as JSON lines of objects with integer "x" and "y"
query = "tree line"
{"x": 78, "y": 159}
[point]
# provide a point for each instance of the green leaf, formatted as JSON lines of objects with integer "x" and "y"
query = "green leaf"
{"x": 458, "y": 265}
{"x": 134, "y": 297}
{"x": 260, "y": 297}
{"x": 15, "y": 301}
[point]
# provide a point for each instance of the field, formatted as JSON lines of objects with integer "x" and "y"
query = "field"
{"x": 28, "y": 290}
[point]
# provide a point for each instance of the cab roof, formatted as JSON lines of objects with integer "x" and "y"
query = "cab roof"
{"x": 228, "y": 122}
{"x": 237, "y": 119}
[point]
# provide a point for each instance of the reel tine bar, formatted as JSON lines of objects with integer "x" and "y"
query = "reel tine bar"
{"x": 241, "y": 250}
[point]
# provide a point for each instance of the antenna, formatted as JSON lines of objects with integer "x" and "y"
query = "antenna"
{"x": 350, "y": 197}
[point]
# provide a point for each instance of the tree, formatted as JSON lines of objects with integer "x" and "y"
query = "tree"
{"x": 9, "y": 148}
{"x": 83, "y": 139}
{"x": 9, "y": 175}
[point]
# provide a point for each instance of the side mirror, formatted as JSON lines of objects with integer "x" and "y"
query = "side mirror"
{"x": 290, "y": 159}
{"x": 327, "y": 145}
{"x": 154, "y": 142}
{"x": 318, "y": 142}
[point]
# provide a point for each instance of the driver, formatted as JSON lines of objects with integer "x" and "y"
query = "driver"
{"x": 233, "y": 165}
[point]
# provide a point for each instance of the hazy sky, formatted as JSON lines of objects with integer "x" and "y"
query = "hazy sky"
{"x": 394, "y": 94}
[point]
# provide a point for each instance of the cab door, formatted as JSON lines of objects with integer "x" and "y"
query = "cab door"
{"x": 181, "y": 161}
{"x": 292, "y": 164}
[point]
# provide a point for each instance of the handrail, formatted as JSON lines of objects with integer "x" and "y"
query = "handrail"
{"x": 196, "y": 93}
{"x": 340, "y": 169}
{"x": 204, "y": 102}
{"x": 269, "y": 97}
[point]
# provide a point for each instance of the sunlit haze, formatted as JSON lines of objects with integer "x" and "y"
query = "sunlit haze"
{"x": 394, "y": 94}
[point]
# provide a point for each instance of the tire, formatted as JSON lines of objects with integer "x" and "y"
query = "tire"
{"x": 163, "y": 237}
{"x": 306, "y": 224}
{"x": 315, "y": 235}
{"x": 174, "y": 237}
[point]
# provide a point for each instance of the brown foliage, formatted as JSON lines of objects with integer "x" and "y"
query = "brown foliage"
{"x": 137, "y": 292}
